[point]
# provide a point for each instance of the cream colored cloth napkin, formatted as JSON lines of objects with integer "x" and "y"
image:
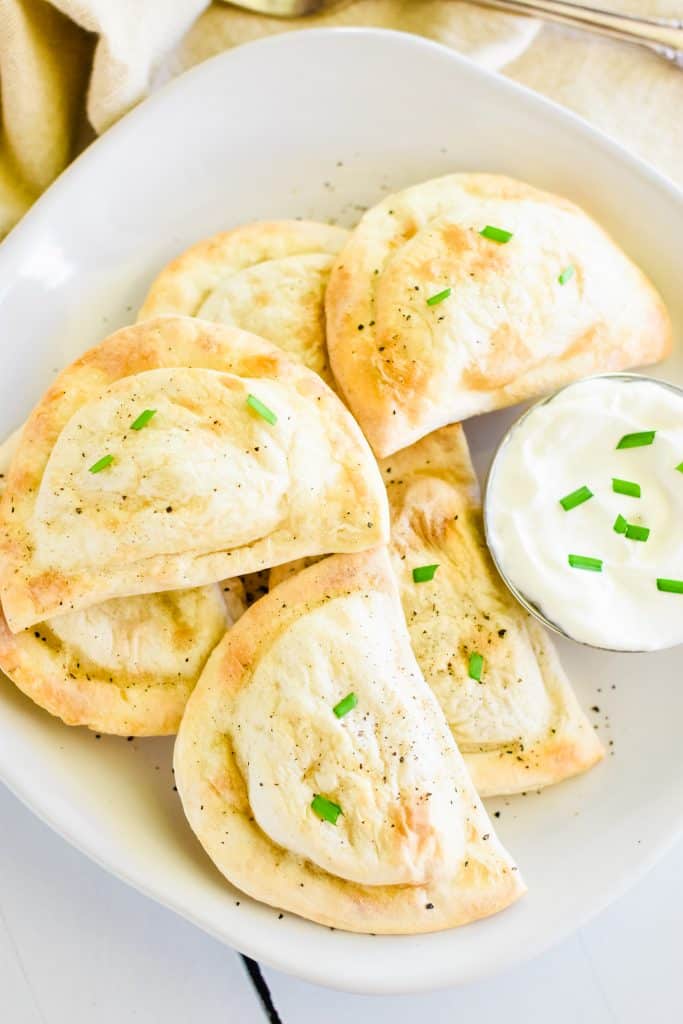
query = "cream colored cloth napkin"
{"x": 62, "y": 59}
{"x": 69, "y": 63}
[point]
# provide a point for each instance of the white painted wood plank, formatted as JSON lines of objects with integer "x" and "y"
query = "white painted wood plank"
{"x": 637, "y": 950}
{"x": 95, "y": 950}
{"x": 17, "y": 1003}
{"x": 559, "y": 986}
{"x": 92, "y": 949}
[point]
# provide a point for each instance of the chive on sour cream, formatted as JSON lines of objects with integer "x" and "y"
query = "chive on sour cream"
{"x": 584, "y": 512}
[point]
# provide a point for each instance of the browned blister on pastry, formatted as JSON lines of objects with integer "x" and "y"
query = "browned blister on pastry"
{"x": 518, "y": 725}
{"x": 318, "y": 772}
{"x": 248, "y": 460}
{"x": 268, "y": 277}
{"x": 430, "y": 322}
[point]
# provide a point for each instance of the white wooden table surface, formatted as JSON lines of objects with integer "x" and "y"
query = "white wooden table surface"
{"x": 79, "y": 947}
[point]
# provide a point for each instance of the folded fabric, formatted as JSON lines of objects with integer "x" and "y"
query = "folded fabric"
{"x": 70, "y": 66}
{"x": 47, "y": 57}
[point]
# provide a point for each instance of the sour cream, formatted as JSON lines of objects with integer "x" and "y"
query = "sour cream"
{"x": 569, "y": 442}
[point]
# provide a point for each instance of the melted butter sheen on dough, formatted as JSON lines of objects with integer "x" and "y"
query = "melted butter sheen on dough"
{"x": 383, "y": 763}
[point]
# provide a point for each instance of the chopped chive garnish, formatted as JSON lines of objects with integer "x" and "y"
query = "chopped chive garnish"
{"x": 101, "y": 464}
{"x": 345, "y": 705}
{"x": 496, "y": 234}
{"x": 424, "y": 573}
{"x": 620, "y": 524}
{"x": 326, "y": 809}
{"x": 434, "y": 300}
{"x": 582, "y": 562}
{"x": 670, "y": 586}
{"x": 566, "y": 275}
{"x": 625, "y": 487}
{"x": 638, "y": 440}
{"x": 679, "y": 467}
{"x": 267, "y": 414}
{"x": 143, "y": 419}
{"x": 634, "y": 532}
{"x": 475, "y": 666}
{"x": 577, "y": 497}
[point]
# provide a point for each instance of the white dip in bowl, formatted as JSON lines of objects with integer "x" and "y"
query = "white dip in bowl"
{"x": 606, "y": 570}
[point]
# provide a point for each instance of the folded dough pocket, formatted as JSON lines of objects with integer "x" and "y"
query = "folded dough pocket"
{"x": 268, "y": 277}
{"x": 318, "y": 772}
{"x": 175, "y": 454}
{"x": 472, "y": 292}
{"x": 492, "y": 667}
{"x": 126, "y": 666}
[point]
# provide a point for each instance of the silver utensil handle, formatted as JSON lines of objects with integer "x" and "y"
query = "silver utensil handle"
{"x": 662, "y": 35}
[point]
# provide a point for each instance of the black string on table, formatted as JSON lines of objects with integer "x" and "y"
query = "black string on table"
{"x": 262, "y": 990}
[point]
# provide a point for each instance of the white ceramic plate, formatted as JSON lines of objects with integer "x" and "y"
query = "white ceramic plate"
{"x": 319, "y": 124}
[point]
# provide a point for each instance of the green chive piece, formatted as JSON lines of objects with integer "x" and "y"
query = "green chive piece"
{"x": 345, "y": 705}
{"x": 475, "y": 666}
{"x": 434, "y": 300}
{"x": 566, "y": 275}
{"x": 620, "y": 524}
{"x": 625, "y": 487}
{"x": 424, "y": 573}
{"x": 267, "y": 414}
{"x": 101, "y": 464}
{"x": 634, "y": 532}
{"x": 670, "y": 586}
{"x": 679, "y": 467}
{"x": 143, "y": 419}
{"x": 499, "y": 235}
{"x": 638, "y": 440}
{"x": 326, "y": 809}
{"x": 577, "y": 497}
{"x": 582, "y": 562}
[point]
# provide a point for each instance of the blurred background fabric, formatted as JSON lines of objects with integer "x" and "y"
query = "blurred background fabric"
{"x": 70, "y": 68}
